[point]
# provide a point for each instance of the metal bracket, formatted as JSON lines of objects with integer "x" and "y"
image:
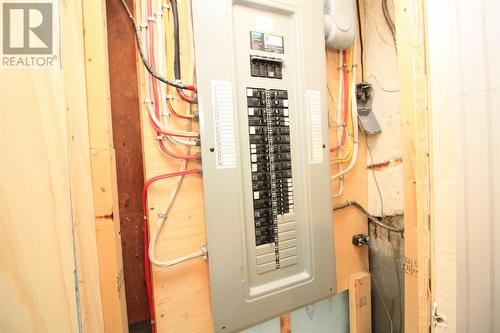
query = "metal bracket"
{"x": 437, "y": 319}
{"x": 204, "y": 251}
{"x": 366, "y": 117}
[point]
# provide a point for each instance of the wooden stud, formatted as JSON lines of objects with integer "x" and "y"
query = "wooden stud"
{"x": 410, "y": 28}
{"x": 73, "y": 63}
{"x": 103, "y": 164}
{"x": 286, "y": 323}
{"x": 360, "y": 310}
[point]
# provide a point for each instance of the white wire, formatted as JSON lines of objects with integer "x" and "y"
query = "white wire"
{"x": 339, "y": 121}
{"x": 159, "y": 225}
{"x": 354, "y": 113}
{"x": 150, "y": 102}
{"x": 161, "y": 220}
{"x": 339, "y": 100}
{"x": 177, "y": 140}
{"x": 162, "y": 57}
{"x": 161, "y": 52}
{"x": 162, "y": 127}
{"x": 341, "y": 188}
{"x": 192, "y": 70}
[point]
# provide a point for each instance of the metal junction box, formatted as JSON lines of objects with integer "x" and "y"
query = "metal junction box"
{"x": 261, "y": 77}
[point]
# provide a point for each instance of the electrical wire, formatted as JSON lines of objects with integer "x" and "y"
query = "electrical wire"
{"x": 180, "y": 93}
{"x": 155, "y": 109}
{"x": 147, "y": 64}
{"x": 162, "y": 220}
{"x": 379, "y": 294}
{"x": 370, "y": 11}
{"x": 176, "y": 140}
{"x": 346, "y": 102}
{"x": 338, "y": 123}
{"x": 372, "y": 219}
{"x": 177, "y": 56}
{"x": 147, "y": 266}
{"x": 375, "y": 177}
{"x": 164, "y": 130}
{"x": 389, "y": 21}
{"x": 154, "y": 102}
{"x": 177, "y": 46}
{"x": 391, "y": 326}
{"x": 177, "y": 114}
{"x": 400, "y": 291}
{"x": 354, "y": 116}
{"x": 341, "y": 187}
{"x": 348, "y": 148}
{"x": 361, "y": 46}
{"x": 381, "y": 86}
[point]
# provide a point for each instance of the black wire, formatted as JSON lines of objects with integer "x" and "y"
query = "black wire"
{"x": 144, "y": 59}
{"x": 177, "y": 55}
{"x": 389, "y": 21}
{"x": 371, "y": 218}
{"x": 361, "y": 46}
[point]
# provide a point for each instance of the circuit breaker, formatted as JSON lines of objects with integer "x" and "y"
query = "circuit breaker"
{"x": 261, "y": 82}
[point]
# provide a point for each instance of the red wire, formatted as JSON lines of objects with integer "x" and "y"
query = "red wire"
{"x": 186, "y": 98}
{"x": 346, "y": 102}
{"x": 147, "y": 267}
{"x": 191, "y": 87}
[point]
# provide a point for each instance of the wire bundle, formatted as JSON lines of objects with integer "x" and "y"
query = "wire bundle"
{"x": 347, "y": 145}
{"x": 153, "y": 41}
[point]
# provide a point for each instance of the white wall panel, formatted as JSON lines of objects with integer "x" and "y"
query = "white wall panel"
{"x": 464, "y": 75}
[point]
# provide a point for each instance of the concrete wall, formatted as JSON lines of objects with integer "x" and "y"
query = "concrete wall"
{"x": 386, "y": 249}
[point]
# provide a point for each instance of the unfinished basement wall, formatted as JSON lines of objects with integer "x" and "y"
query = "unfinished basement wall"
{"x": 385, "y": 170}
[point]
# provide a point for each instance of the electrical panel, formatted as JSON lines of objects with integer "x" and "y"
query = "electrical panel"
{"x": 261, "y": 82}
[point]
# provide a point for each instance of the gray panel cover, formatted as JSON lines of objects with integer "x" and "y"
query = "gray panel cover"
{"x": 245, "y": 286}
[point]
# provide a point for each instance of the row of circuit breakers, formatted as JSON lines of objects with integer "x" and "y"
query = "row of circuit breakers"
{"x": 261, "y": 89}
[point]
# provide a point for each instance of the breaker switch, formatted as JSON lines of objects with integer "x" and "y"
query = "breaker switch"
{"x": 266, "y": 67}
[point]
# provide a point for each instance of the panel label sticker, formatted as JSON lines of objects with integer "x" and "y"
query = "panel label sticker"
{"x": 266, "y": 42}
{"x": 225, "y": 143}
{"x": 313, "y": 98}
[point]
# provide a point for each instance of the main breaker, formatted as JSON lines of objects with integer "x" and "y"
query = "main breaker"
{"x": 261, "y": 77}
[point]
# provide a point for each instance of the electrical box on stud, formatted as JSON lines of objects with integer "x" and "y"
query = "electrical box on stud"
{"x": 263, "y": 117}
{"x": 340, "y": 29}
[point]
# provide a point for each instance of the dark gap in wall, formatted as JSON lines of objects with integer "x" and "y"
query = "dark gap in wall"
{"x": 125, "y": 109}
{"x": 386, "y": 266}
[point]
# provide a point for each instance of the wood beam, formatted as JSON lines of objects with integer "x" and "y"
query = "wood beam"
{"x": 410, "y": 28}
{"x": 103, "y": 165}
{"x": 360, "y": 309}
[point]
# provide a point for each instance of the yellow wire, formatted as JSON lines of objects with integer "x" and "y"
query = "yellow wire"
{"x": 349, "y": 125}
